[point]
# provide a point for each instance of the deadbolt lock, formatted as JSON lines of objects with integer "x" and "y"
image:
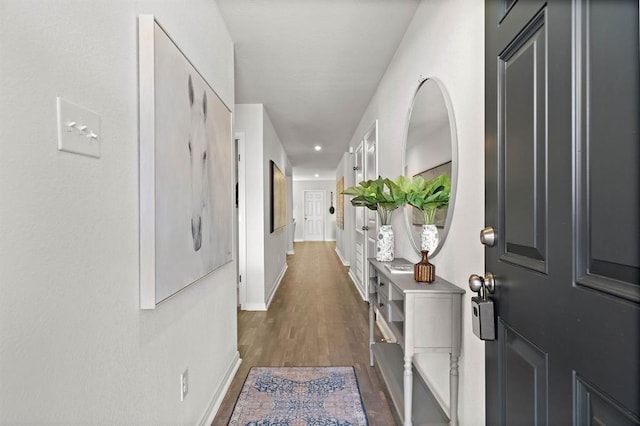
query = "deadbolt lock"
{"x": 488, "y": 236}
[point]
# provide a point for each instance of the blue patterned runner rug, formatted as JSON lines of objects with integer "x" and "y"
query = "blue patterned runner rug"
{"x": 300, "y": 396}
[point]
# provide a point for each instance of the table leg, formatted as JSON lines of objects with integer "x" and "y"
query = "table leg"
{"x": 453, "y": 387}
{"x": 408, "y": 390}
{"x": 371, "y": 338}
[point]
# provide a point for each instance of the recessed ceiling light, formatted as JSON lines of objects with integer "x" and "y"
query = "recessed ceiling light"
{"x": 317, "y": 147}
{"x": 317, "y": 175}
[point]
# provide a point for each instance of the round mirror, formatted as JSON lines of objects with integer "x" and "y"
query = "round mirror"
{"x": 431, "y": 149}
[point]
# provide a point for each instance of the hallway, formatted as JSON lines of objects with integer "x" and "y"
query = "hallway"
{"x": 317, "y": 318}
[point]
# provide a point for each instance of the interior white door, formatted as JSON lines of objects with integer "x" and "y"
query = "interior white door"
{"x": 370, "y": 173}
{"x": 360, "y": 255}
{"x": 365, "y": 168}
{"x": 313, "y": 215}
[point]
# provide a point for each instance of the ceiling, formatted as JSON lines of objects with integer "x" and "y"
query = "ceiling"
{"x": 314, "y": 64}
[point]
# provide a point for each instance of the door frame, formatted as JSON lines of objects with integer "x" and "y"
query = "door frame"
{"x": 322, "y": 209}
{"x": 355, "y": 231}
{"x": 370, "y": 138}
{"x": 241, "y": 247}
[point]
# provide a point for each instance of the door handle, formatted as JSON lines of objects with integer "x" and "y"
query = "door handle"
{"x": 483, "y": 318}
{"x": 488, "y": 236}
{"x": 480, "y": 284}
{"x": 365, "y": 228}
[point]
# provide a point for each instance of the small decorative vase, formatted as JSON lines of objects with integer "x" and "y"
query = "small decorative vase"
{"x": 384, "y": 246}
{"x": 424, "y": 271}
{"x": 429, "y": 238}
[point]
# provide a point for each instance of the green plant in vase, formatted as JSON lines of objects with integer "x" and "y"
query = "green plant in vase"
{"x": 428, "y": 196}
{"x": 383, "y": 196}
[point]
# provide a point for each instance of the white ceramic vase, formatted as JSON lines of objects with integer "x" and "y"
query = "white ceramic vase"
{"x": 385, "y": 243}
{"x": 429, "y": 238}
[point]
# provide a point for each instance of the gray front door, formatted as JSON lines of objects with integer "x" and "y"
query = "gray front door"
{"x": 562, "y": 190}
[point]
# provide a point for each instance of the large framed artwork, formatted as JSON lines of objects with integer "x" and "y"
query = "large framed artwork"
{"x": 441, "y": 215}
{"x": 186, "y": 188}
{"x": 278, "y": 198}
{"x": 340, "y": 203}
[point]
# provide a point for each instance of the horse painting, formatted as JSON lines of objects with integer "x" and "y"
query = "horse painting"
{"x": 199, "y": 164}
{"x": 189, "y": 144}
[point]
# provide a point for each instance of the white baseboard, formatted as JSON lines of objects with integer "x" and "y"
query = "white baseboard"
{"x": 344, "y": 262}
{"x": 265, "y": 306}
{"x": 353, "y": 280}
{"x": 254, "y": 307}
{"x": 291, "y": 252}
{"x": 275, "y": 287}
{"x": 315, "y": 241}
{"x": 216, "y": 401}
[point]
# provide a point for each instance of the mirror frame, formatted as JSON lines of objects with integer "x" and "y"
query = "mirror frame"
{"x": 454, "y": 163}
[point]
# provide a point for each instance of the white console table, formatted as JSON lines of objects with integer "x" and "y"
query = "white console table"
{"x": 423, "y": 318}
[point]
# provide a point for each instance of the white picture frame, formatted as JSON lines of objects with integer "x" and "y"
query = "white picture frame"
{"x": 186, "y": 170}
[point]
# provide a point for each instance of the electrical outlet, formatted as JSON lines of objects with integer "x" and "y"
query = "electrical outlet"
{"x": 184, "y": 384}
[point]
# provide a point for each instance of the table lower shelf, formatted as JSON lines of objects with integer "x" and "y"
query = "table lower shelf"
{"x": 389, "y": 360}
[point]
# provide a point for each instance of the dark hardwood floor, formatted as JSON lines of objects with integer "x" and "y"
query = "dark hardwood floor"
{"x": 317, "y": 318}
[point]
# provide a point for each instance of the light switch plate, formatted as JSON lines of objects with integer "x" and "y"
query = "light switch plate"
{"x": 78, "y": 129}
{"x": 184, "y": 384}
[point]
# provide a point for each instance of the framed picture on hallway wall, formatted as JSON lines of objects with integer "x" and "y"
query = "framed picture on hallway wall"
{"x": 278, "y": 198}
{"x": 186, "y": 187}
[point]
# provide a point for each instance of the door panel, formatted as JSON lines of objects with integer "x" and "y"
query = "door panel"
{"x": 359, "y": 262}
{"x": 359, "y": 236}
{"x": 371, "y": 173}
{"x": 607, "y": 134}
{"x": 358, "y": 176}
{"x": 523, "y": 146}
{"x": 524, "y": 379}
{"x": 593, "y": 408}
{"x": 562, "y": 188}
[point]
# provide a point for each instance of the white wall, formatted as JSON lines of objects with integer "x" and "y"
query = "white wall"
{"x": 74, "y": 346}
{"x": 248, "y": 119}
{"x": 275, "y": 244}
{"x": 445, "y": 40}
{"x": 266, "y": 251}
{"x": 329, "y": 220}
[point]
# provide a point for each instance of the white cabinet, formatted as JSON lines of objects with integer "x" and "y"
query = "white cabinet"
{"x": 423, "y": 318}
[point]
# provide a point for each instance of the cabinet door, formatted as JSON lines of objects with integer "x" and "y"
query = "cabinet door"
{"x": 433, "y": 314}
